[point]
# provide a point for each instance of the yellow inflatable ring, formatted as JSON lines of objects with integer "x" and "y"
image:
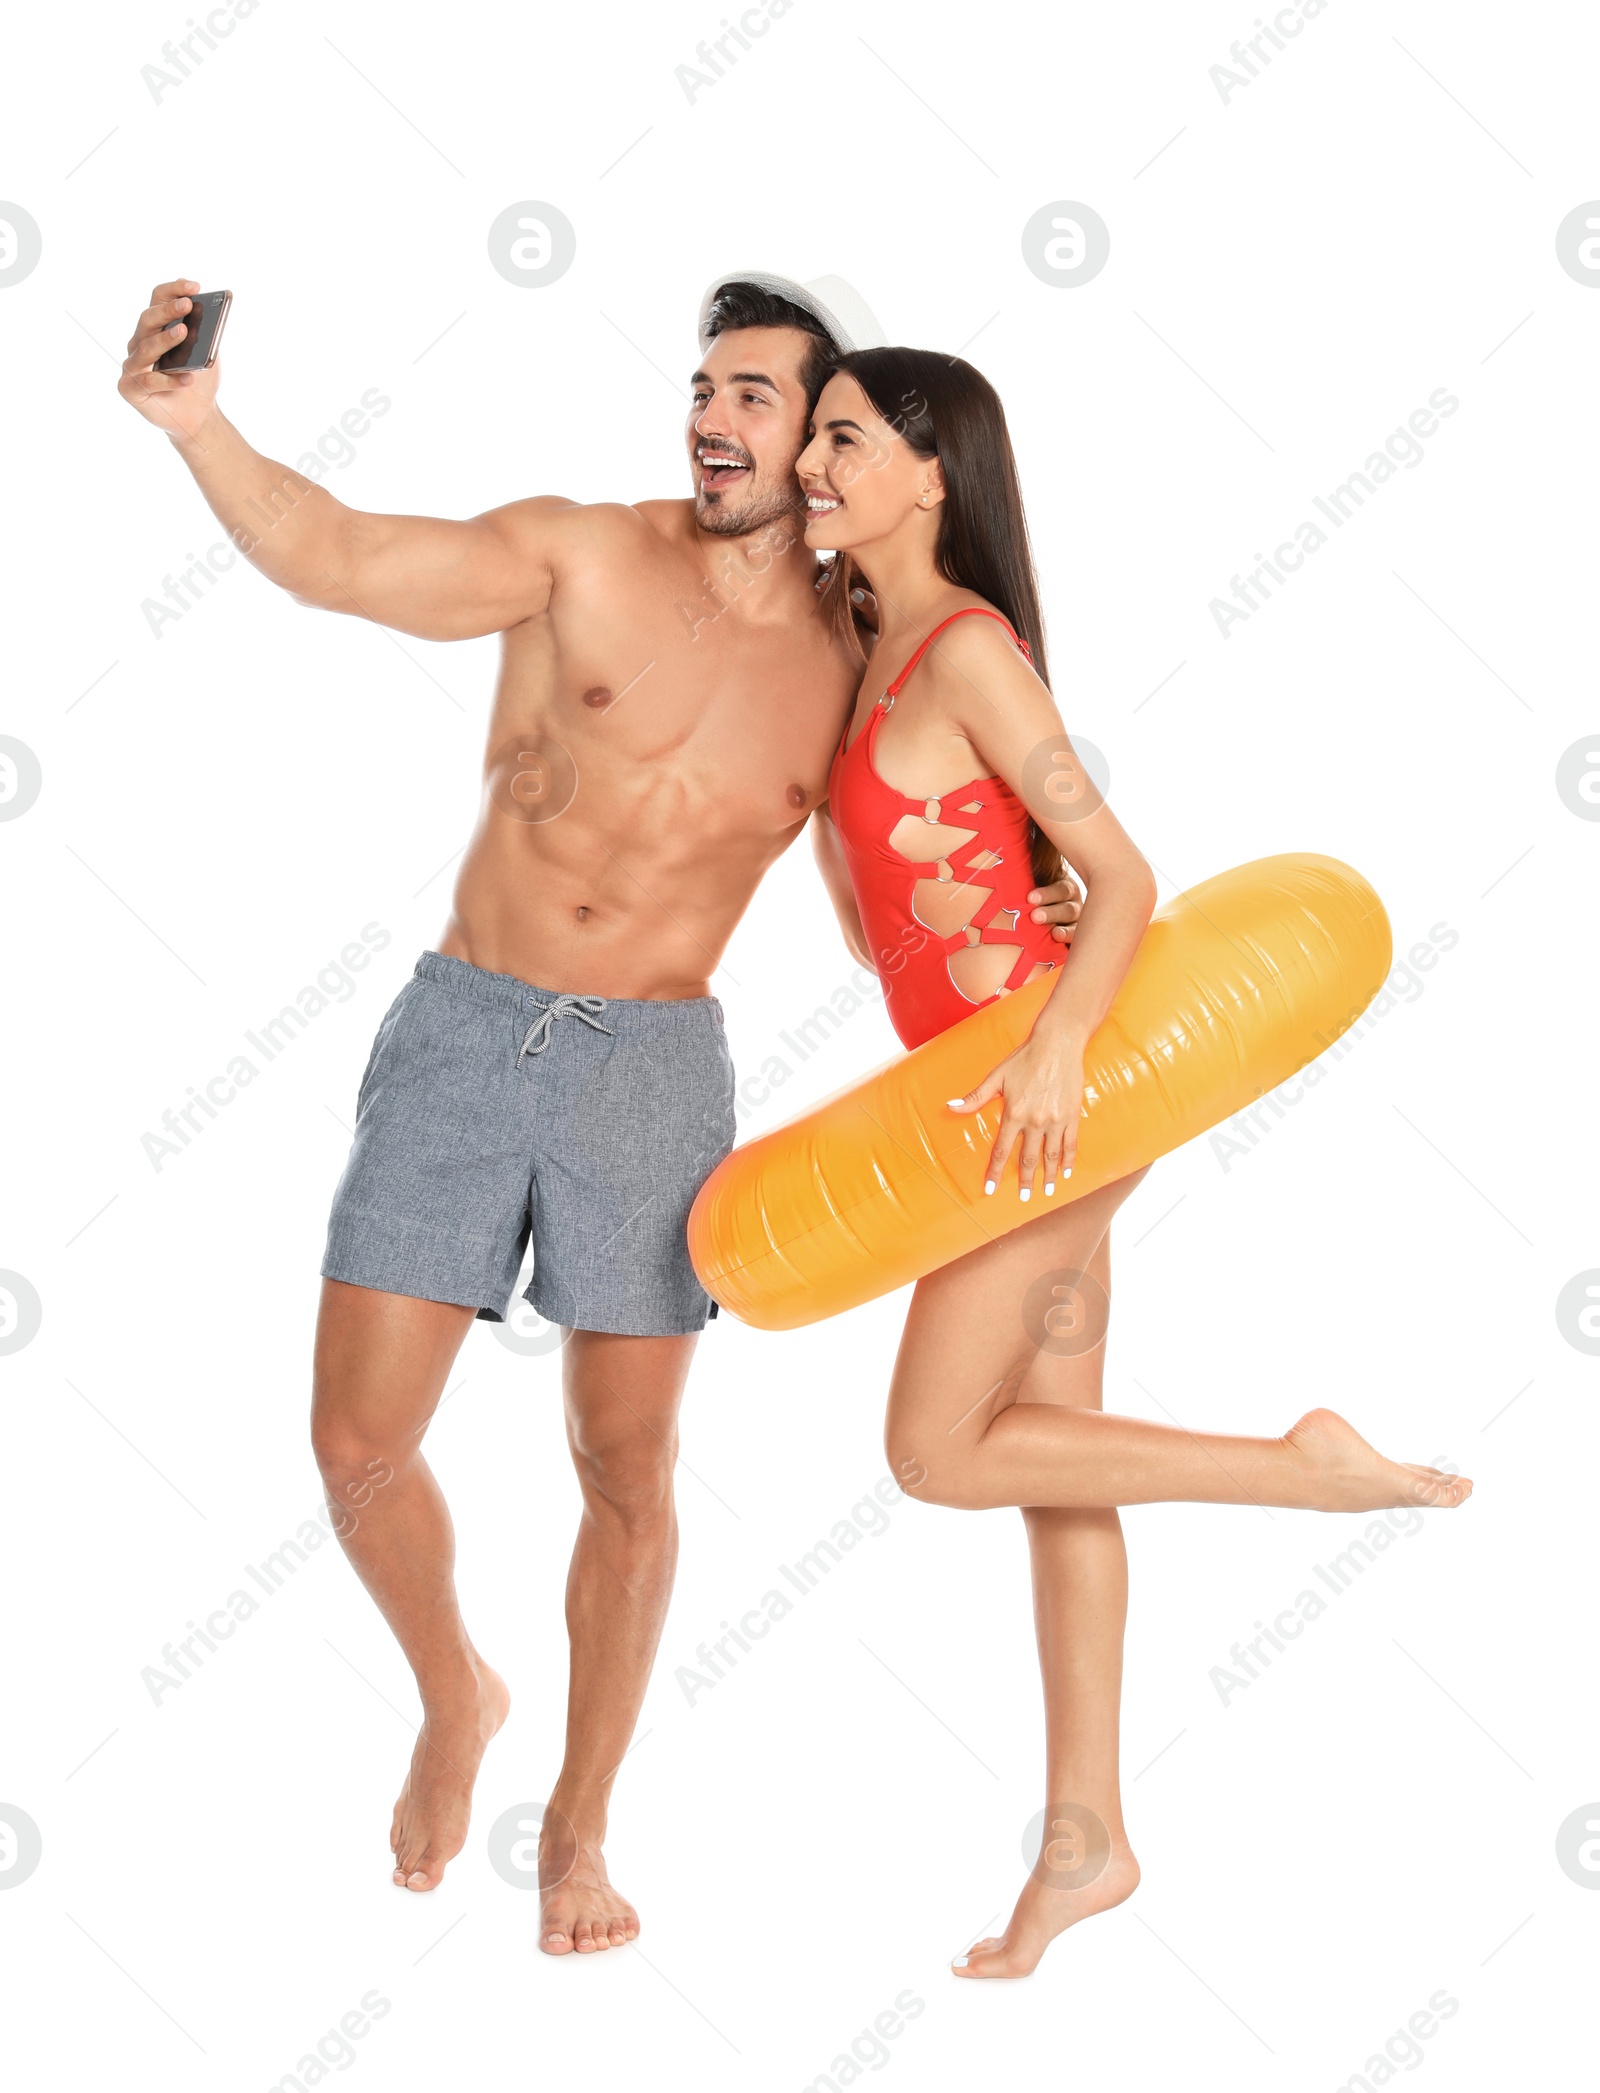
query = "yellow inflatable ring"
{"x": 1237, "y": 984}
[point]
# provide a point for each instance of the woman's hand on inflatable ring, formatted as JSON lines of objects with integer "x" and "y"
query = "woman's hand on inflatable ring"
{"x": 1042, "y": 1086}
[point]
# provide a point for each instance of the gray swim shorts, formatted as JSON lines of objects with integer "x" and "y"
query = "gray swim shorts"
{"x": 491, "y": 1112}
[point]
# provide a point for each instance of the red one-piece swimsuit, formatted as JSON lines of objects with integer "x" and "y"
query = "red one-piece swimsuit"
{"x": 913, "y": 961}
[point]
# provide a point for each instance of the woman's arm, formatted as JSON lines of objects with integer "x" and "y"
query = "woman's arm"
{"x": 1012, "y": 721}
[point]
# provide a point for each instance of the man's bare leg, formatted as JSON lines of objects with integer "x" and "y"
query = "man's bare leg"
{"x": 622, "y": 1396}
{"x": 381, "y": 1364}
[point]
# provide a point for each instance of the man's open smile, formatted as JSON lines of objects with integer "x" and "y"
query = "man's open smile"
{"x": 720, "y": 466}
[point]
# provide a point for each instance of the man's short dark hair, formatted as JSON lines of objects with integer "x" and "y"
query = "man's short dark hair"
{"x": 749, "y": 305}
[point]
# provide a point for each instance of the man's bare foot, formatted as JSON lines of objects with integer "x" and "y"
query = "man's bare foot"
{"x": 435, "y": 1805}
{"x": 1042, "y": 1913}
{"x": 1344, "y": 1474}
{"x": 579, "y": 1911}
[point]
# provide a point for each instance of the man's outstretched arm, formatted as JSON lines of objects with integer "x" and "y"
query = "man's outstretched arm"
{"x": 427, "y": 575}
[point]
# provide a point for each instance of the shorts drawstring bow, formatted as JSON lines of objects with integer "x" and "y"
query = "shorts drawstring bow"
{"x": 537, "y": 1037}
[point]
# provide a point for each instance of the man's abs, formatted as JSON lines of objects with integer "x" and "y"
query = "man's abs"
{"x": 595, "y": 914}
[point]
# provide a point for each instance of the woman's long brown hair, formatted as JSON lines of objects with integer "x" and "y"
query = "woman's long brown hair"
{"x": 944, "y": 408}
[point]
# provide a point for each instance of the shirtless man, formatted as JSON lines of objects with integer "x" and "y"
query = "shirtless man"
{"x": 671, "y": 692}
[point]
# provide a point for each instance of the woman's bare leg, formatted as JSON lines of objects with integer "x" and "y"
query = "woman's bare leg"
{"x": 958, "y": 1435}
{"x": 1080, "y": 1605}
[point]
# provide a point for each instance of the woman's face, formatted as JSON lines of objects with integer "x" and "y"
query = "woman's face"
{"x": 860, "y": 479}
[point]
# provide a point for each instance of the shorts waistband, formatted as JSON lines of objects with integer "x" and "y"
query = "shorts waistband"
{"x": 505, "y": 992}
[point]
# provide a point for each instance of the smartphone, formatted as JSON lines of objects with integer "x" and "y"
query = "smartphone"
{"x": 204, "y": 321}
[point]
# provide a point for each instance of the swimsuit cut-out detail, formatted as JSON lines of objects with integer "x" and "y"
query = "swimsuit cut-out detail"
{"x": 879, "y": 827}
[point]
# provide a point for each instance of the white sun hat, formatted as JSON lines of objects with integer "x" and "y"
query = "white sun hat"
{"x": 849, "y": 320}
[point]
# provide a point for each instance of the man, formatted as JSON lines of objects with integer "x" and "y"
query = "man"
{"x": 671, "y": 692}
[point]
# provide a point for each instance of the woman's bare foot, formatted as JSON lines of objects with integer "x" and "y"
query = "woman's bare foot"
{"x": 435, "y": 1805}
{"x": 1042, "y": 1913}
{"x": 1344, "y": 1474}
{"x": 579, "y": 1911}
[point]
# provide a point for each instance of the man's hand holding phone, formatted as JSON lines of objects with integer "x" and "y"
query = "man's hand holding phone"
{"x": 178, "y": 327}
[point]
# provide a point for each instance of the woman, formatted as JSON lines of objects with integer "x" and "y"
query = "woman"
{"x": 954, "y": 794}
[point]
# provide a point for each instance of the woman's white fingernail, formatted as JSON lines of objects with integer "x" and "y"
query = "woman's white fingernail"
{"x": 954, "y": 1103}
{"x": 989, "y": 1187}
{"x": 1068, "y": 1171}
{"x": 958, "y": 1962}
{"x": 1026, "y": 1192}
{"x": 1050, "y": 1189}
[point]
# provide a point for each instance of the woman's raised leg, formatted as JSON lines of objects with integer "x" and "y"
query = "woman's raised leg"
{"x": 958, "y": 1435}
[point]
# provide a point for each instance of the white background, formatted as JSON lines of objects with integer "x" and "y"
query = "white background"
{"x": 1292, "y": 272}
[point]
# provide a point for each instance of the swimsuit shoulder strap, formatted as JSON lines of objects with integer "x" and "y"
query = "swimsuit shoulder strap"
{"x": 970, "y": 610}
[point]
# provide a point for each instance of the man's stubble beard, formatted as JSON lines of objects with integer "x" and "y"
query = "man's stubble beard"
{"x": 758, "y": 513}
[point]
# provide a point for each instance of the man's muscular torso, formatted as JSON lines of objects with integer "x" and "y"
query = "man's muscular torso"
{"x": 649, "y": 756}
{"x": 670, "y": 693}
